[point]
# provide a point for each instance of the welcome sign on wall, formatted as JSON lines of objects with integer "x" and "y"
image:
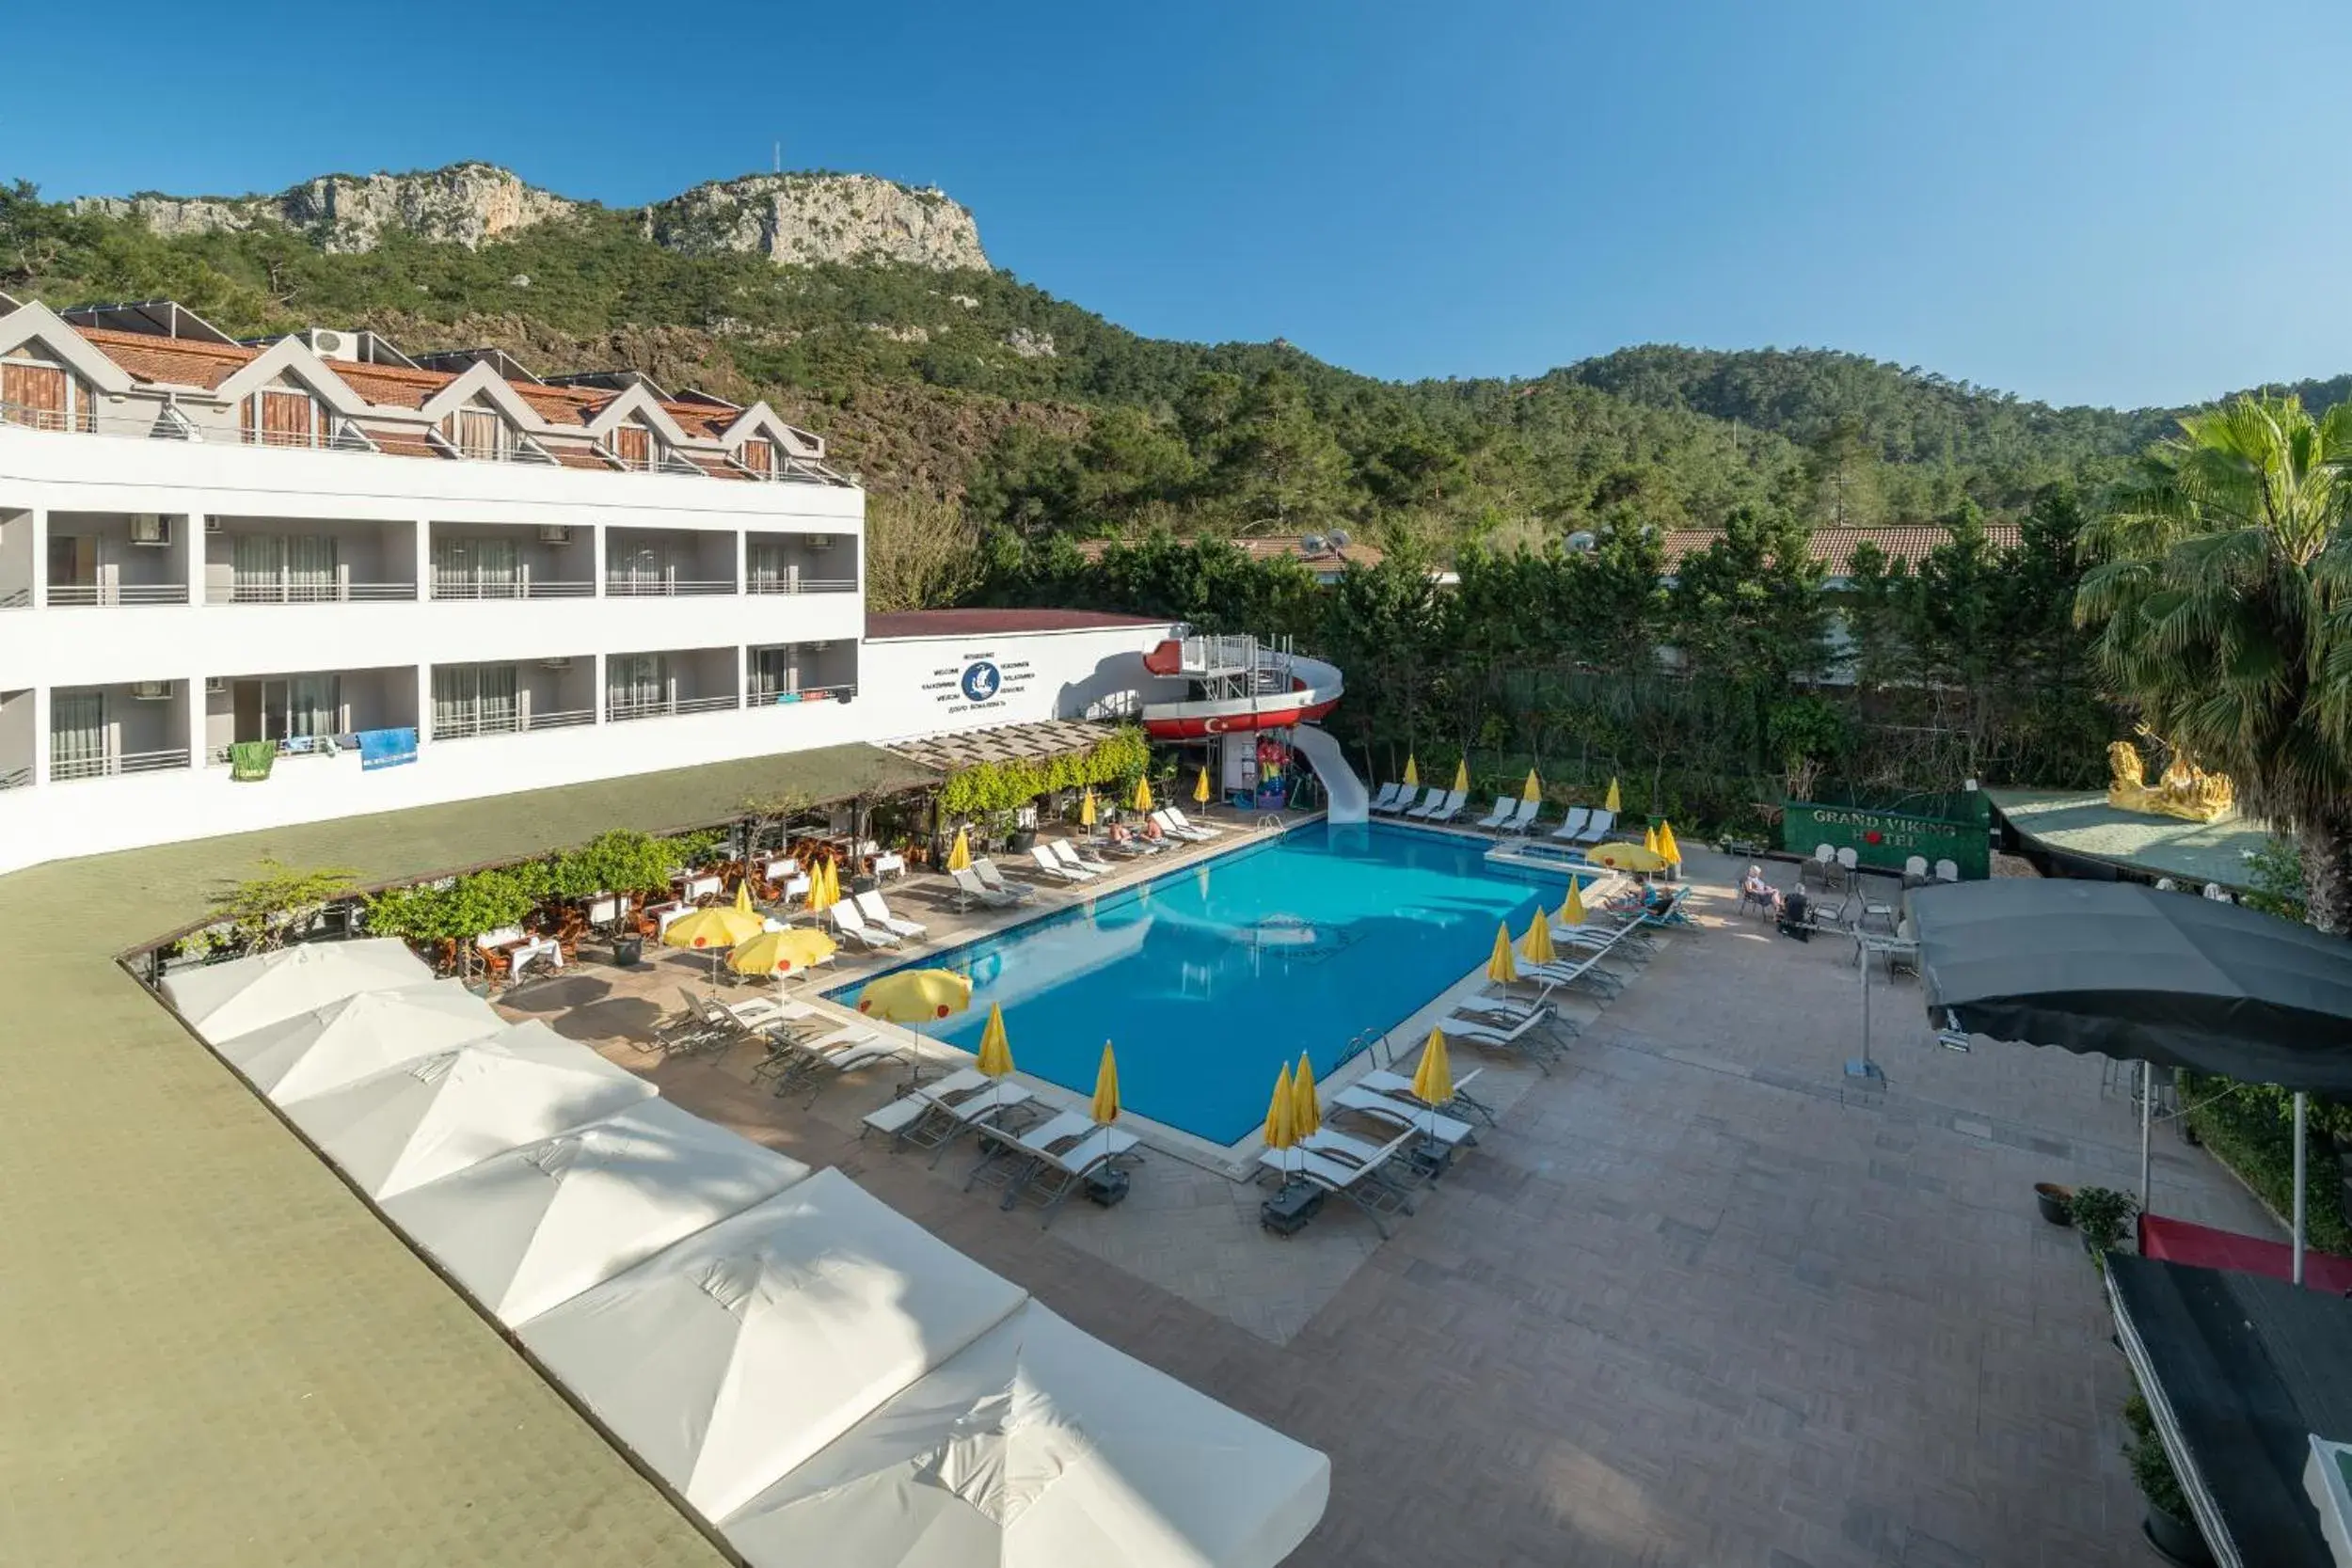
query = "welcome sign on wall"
{"x": 979, "y": 681}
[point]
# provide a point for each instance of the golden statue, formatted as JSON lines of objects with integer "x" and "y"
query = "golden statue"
{"x": 2185, "y": 790}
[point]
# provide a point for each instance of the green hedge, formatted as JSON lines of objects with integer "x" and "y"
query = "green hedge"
{"x": 2249, "y": 1132}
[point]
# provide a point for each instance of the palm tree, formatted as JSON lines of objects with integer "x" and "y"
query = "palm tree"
{"x": 2222, "y": 603}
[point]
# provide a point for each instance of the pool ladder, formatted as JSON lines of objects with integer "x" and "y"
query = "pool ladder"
{"x": 1367, "y": 1039}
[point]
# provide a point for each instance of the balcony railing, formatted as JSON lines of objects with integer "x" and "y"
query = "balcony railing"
{"x": 25, "y": 415}
{"x": 512, "y": 723}
{"x": 16, "y": 598}
{"x": 16, "y": 777}
{"x": 620, "y": 710}
{"x": 526, "y": 588}
{"x": 302, "y": 592}
{"x": 288, "y": 751}
{"x": 803, "y": 585}
{"x": 63, "y": 769}
{"x": 769, "y": 697}
{"x": 64, "y": 595}
{"x": 662, "y": 588}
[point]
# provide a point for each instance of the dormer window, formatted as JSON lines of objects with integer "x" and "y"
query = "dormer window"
{"x": 634, "y": 446}
{"x": 758, "y": 454}
{"x": 280, "y": 417}
{"x": 43, "y": 396}
{"x": 477, "y": 433}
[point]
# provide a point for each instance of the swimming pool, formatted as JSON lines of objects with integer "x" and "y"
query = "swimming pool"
{"x": 1210, "y": 976}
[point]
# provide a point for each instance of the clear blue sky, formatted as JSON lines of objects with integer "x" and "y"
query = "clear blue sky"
{"x": 2114, "y": 203}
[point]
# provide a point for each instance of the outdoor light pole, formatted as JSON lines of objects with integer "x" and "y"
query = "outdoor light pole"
{"x": 2299, "y": 1099}
{"x": 1862, "y": 1067}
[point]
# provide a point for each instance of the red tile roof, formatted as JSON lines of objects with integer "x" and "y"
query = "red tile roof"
{"x": 1834, "y": 546}
{"x": 981, "y": 623}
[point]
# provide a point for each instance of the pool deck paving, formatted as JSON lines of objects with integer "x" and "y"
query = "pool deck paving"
{"x": 1701, "y": 1298}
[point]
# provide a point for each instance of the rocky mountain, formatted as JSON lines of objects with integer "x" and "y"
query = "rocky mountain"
{"x": 792, "y": 219}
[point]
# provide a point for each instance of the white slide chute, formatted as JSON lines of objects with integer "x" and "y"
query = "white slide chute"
{"x": 1346, "y": 791}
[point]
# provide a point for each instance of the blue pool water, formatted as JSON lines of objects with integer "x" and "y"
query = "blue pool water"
{"x": 1211, "y": 976}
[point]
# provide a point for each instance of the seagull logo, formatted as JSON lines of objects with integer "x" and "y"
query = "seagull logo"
{"x": 980, "y": 681}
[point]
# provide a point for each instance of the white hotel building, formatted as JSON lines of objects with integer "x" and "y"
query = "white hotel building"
{"x": 402, "y": 583}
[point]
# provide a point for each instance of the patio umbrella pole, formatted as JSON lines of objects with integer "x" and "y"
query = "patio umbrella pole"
{"x": 1862, "y": 1067}
{"x": 2146, "y": 1098}
{"x": 2299, "y": 1100}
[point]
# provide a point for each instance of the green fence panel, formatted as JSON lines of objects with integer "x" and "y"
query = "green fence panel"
{"x": 1886, "y": 839}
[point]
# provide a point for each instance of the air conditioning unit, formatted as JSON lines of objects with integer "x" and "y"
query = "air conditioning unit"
{"x": 213, "y": 525}
{"x": 331, "y": 344}
{"x": 554, "y": 533}
{"x": 564, "y": 663}
{"x": 818, "y": 647}
{"x": 152, "y": 691}
{"x": 820, "y": 541}
{"x": 148, "y": 528}
{"x": 216, "y": 686}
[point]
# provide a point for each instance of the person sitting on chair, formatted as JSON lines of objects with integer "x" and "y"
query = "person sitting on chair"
{"x": 1756, "y": 887}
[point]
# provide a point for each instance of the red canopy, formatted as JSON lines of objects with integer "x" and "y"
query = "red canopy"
{"x": 2202, "y": 1247}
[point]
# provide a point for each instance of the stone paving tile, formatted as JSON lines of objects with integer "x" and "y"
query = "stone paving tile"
{"x": 1694, "y": 1302}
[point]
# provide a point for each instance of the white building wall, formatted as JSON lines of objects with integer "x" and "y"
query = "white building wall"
{"x": 903, "y": 686}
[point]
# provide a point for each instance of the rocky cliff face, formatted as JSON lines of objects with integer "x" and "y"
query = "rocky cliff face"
{"x": 819, "y": 217}
{"x": 790, "y": 218}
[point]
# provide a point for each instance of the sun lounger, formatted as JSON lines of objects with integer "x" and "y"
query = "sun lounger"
{"x": 811, "y": 1064}
{"x": 1583, "y": 971}
{"x": 1451, "y": 807}
{"x": 1174, "y": 829}
{"x": 1361, "y": 1181}
{"x": 1431, "y": 804}
{"x": 1406, "y": 806}
{"x": 1504, "y": 807}
{"x": 1598, "y": 828}
{"x": 1210, "y": 830}
{"x": 1522, "y": 820}
{"x": 1047, "y": 1163}
{"x": 1053, "y": 871}
{"x": 870, "y": 905}
{"x": 1386, "y": 799}
{"x": 934, "y": 1116}
{"x": 850, "y": 924}
{"x": 1532, "y": 1037}
{"x": 1079, "y": 857}
{"x": 1397, "y": 1086}
{"x": 1408, "y": 1114}
{"x": 993, "y": 877}
{"x": 1572, "y": 826}
{"x": 971, "y": 891}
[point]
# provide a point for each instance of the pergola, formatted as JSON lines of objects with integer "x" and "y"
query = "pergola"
{"x": 1031, "y": 742}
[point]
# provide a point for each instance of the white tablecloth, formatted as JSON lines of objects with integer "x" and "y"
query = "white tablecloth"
{"x": 524, "y": 953}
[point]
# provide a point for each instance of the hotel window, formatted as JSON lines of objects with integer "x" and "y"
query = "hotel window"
{"x": 758, "y": 454}
{"x": 633, "y": 444}
{"x": 477, "y": 569}
{"x": 275, "y": 417}
{"x": 477, "y": 433}
{"x": 472, "y": 698}
{"x": 271, "y": 568}
{"x": 637, "y": 685}
{"x": 43, "y": 396}
{"x": 77, "y": 735}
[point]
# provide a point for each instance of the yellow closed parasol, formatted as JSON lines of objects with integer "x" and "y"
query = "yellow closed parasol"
{"x": 1615, "y": 803}
{"x": 1200, "y": 787}
{"x": 824, "y": 886}
{"x": 1537, "y": 945}
{"x": 1501, "y": 968}
{"x": 1461, "y": 777}
{"x": 780, "y": 953}
{"x": 1533, "y": 789}
{"x": 1085, "y": 819}
{"x": 1668, "y": 850}
{"x": 1412, "y": 772}
{"x": 995, "y": 1049}
{"x": 1143, "y": 795}
{"x": 1649, "y": 839}
{"x": 1281, "y": 1115}
{"x": 1572, "y": 913}
{"x": 1433, "y": 1080}
{"x": 1105, "y": 1107}
{"x": 1306, "y": 1110}
{"x": 959, "y": 852}
{"x": 916, "y": 995}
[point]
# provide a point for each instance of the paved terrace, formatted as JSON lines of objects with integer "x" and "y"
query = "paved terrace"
{"x": 1694, "y": 1302}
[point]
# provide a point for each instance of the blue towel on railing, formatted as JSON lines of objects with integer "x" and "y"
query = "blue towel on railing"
{"x": 386, "y": 748}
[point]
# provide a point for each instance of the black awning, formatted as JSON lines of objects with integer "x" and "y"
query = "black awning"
{"x": 2240, "y": 1371}
{"x": 2128, "y": 971}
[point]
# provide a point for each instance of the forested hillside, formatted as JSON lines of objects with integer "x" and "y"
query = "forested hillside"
{"x": 1040, "y": 419}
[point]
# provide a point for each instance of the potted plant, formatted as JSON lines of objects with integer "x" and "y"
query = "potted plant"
{"x": 2101, "y": 1214}
{"x": 2056, "y": 1202}
{"x": 2169, "y": 1527}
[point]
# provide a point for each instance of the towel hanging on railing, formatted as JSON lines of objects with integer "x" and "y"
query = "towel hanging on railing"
{"x": 386, "y": 748}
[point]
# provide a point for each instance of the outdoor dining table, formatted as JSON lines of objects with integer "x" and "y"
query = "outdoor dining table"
{"x": 532, "y": 949}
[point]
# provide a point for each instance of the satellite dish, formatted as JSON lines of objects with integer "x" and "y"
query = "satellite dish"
{"x": 1582, "y": 542}
{"x": 1311, "y": 544}
{"x": 1339, "y": 539}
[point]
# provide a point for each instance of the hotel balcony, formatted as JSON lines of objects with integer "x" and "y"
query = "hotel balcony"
{"x": 512, "y": 560}
{"x": 801, "y": 563}
{"x": 471, "y": 701}
{"x": 98, "y": 731}
{"x": 784, "y": 673}
{"x": 16, "y": 739}
{"x": 309, "y": 714}
{"x": 649, "y": 562}
{"x": 279, "y": 561}
{"x": 670, "y": 683}
{"x": 115, "y": 558}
